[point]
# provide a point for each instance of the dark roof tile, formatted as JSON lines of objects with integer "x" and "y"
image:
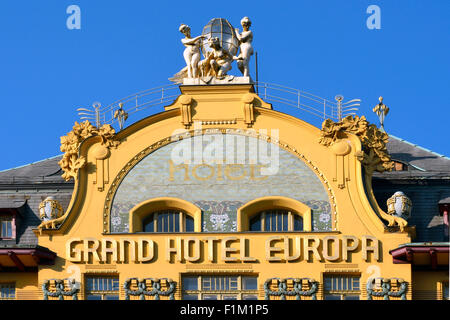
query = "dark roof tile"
{"x": 8, "y": 203}
{"x": 418, "y": 157}
{"x": 41, "y": 172}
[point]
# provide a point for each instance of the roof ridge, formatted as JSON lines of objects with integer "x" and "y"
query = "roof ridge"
{"x": 417, "y": 146}
{"x": 22, "y": 166}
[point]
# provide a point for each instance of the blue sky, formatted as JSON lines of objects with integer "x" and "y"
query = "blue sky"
{"x": 322, "y": 47}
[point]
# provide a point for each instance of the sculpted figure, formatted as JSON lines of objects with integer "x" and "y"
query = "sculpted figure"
{"x": 192, "y": 52}
{"x": 245, "y": 38}
{"x": 218, "y": 60}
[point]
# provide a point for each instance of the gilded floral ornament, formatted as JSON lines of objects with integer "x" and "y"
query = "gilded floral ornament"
{"x": 374, "y": 155}
{"x": 71, "y": 161}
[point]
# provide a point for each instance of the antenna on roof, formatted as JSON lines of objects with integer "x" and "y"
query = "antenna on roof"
{"x": 256, "y": 70}
{"x": 93, "y": 115}
{"x": 346, "y": 108}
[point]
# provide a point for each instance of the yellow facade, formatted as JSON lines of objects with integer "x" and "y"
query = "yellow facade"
{"x": 357, "y": 244}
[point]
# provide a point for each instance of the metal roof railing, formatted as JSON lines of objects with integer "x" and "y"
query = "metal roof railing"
{"x": 308, "y": 102}
{"x": 118, "y": 111}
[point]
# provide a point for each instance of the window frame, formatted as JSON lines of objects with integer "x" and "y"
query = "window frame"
{"x": 141, "y": 211}
{"x": 342, "y": 293}
{"x": 441, "y": 290}
{"x": 398, "y": 163}
{"x": 11, "y": 220}
{"x": 252, "y": 208}
{"x": 8, "y": 285}
{"x": 200, "y": 292}
{"x": 262, "y": 216}
{"x": 102, "y": 293}
{"x": 182, "y": 216}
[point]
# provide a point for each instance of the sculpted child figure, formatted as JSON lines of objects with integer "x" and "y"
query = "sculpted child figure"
{"x": 219, "y": 59}
{"x": 246, "y": 38}
{"x": 192, "y": 52}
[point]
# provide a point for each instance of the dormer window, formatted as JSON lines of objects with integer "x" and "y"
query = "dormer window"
{"x": 400, "y": 166}
{"x": 11, "y": 213}
{"x": 6, "y": 227}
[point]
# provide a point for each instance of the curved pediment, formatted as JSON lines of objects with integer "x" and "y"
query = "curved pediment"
{"x": 119, "y": 171}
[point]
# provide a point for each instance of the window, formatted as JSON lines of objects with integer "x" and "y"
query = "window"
{"x": 168, "y": 221}
{"x": 165, "y": 214}
{"x": 219, "y": 288}
{"x": 276, "y": 221}
{"x": 400, "y": 166}
{"x": 341, "y": 287}
{"x": 6, "y": 228}
{"x": 102, "y": 288}
{"x": 7, "y": 291}
{"x": 274, "y": 213}
{"x": 445, "y": 291}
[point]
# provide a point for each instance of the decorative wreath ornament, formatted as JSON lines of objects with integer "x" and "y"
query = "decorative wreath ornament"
{"x": 61, "y": 289}
{"x": 386, "y": 289}
{"x": 153, "y": 290}
{"x": 297, "y": 291}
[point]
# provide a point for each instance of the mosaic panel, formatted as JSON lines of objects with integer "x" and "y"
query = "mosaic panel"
{"x": 219, "y": 189}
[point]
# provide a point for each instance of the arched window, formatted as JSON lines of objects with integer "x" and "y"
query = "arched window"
{"x": 276, "y": 221}
{"x": 168, "y": 221}
{"x": 274, "y": 214}
{"x": 165, "y": 215}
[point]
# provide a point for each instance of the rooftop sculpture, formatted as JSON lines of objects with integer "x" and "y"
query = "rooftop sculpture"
{"x": 381, "y": 110}
{"x": 219, "y": 44}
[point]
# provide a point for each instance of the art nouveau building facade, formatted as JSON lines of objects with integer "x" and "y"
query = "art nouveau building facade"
{"x": 222, "y": 197}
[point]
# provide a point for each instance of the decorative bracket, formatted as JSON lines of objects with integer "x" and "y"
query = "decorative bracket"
{"x": 341, "y": 148}
{"x": 249, "y": 117}
{"x": 101, "y": 154}
{"x": 185, "y": 110}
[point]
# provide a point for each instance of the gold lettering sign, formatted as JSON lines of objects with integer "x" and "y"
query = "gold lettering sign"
{"x": 308, "y": 248}
{"x": 218, "y": 172}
